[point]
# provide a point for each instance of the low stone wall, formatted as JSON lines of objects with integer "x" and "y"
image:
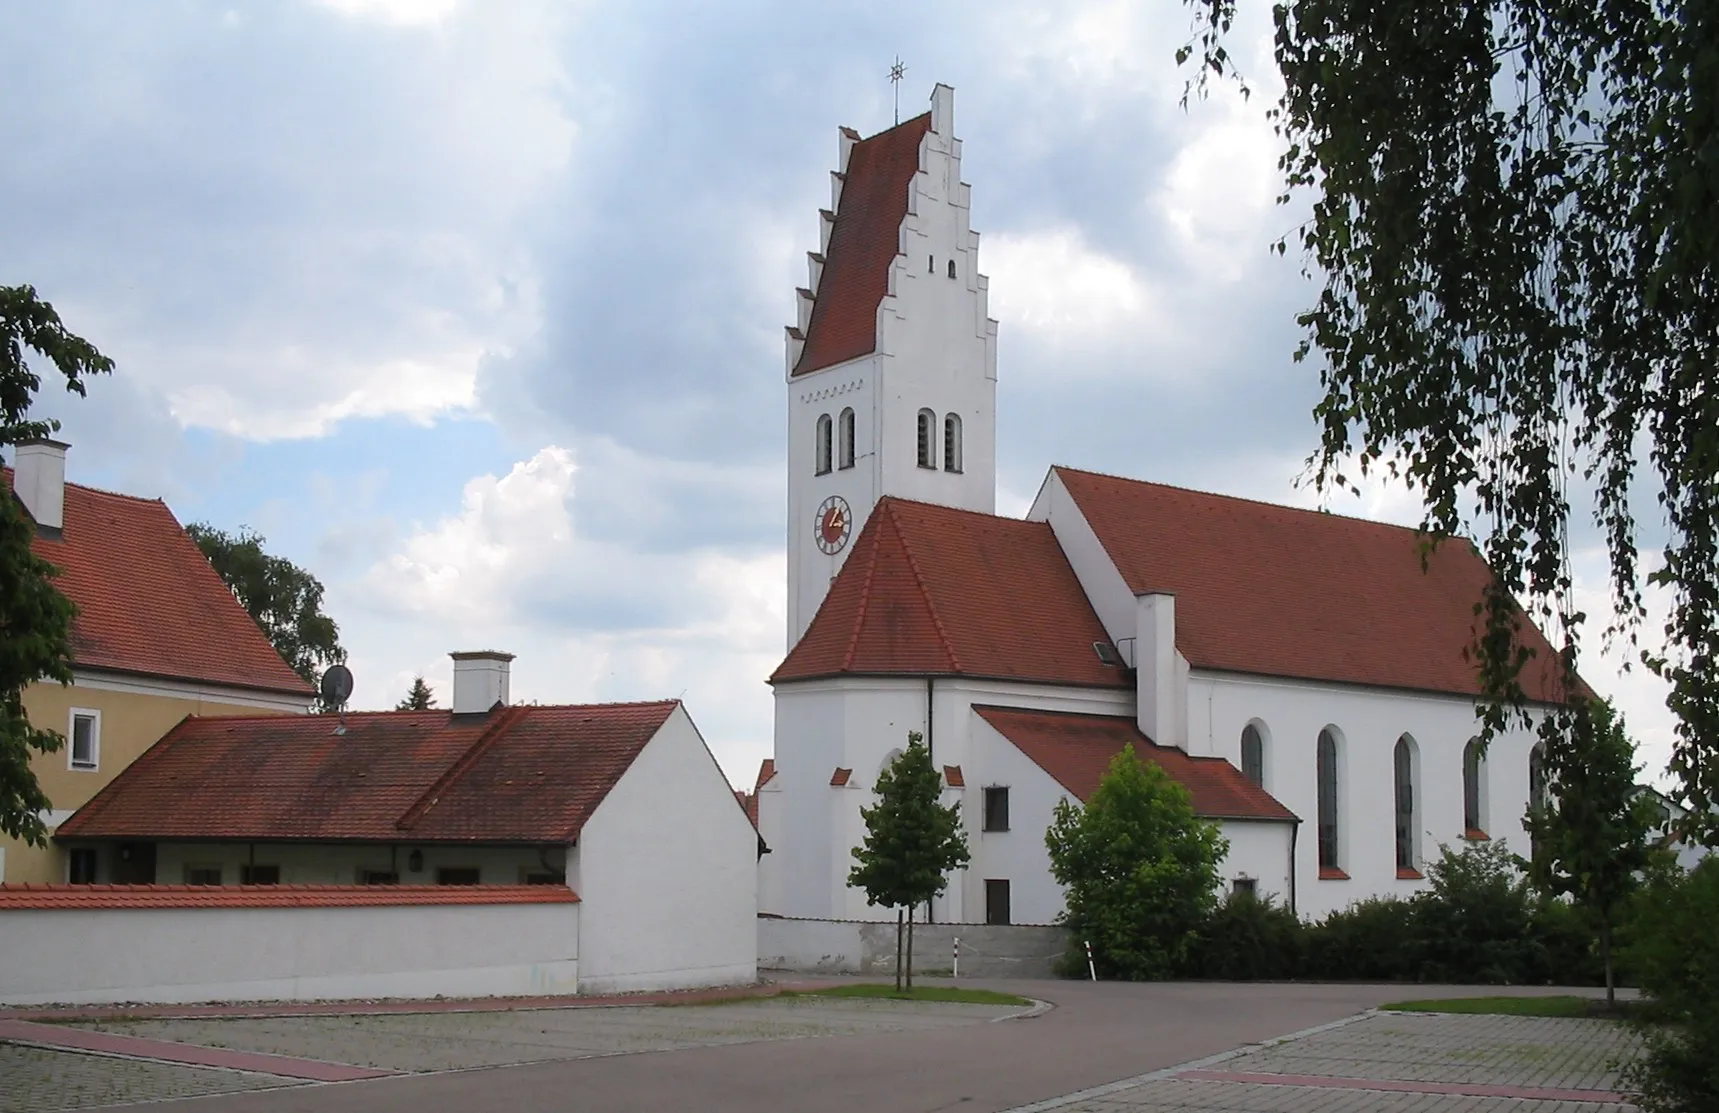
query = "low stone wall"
{"x": 864, "y": 947}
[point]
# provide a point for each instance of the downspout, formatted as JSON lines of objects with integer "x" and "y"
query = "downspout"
{"x": 1294, "y": 830}
{"x": 930, "y": 751}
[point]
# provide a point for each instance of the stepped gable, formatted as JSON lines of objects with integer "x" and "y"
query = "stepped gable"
{"x": 863, "y": 244}
{"x": 932, "y": 590}
{"x": 1279, "y": 591}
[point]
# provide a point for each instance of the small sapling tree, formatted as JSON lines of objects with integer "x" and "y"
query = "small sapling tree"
{"x": 911, "y": 843}
{"x": 1139, "y": 867}
{"x": 1590, "y": 833}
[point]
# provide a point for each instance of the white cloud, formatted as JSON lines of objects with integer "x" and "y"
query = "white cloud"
{"x": 404, "y": 13}
{"x": 1054, "y": 283}
{"x": 1219, "y": 193}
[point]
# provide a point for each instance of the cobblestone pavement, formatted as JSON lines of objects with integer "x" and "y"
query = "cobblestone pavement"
{"x": 35, "y": 1080}
{"x": 448, "y": 1041}
{"x": 1416, "y": 1061}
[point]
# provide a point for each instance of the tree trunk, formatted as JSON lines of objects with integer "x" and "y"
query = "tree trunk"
{"x": 898, "y": 950}
{"x": 910, "y": 949}
{"x": 1606, "y": 957}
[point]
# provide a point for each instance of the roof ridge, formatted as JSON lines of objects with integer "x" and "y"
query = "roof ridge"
{"x": 894, "y": 127}
{"x": 925, "y": 594}
{"x": 98, "y": 803}
{"x": 1268, "y": 504}
{"x": 146, "y": 499}
{"x": 462, "y": 764}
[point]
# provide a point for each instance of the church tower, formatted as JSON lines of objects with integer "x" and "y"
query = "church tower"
{"x": 892, "y": 363}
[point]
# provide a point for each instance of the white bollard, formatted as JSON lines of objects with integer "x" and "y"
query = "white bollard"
{"x": 1090, "y": 968}
{"x": 957, "y": 968}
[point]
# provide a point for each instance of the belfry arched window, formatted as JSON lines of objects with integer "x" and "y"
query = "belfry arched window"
{"x": 845, "y": 435}
{"x": 823, "y": 444}
{"x": 927, "y": 441}
{"x": 1473, "y": 791}
{"x": 952, "y": 443}
{"x": 1403, "y": 783}
{"x": 1330, "y": 860}
{"x": 1253, "y": 755}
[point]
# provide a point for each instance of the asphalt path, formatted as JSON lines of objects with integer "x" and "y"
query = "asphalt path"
{"x": 1097, "y": 1033}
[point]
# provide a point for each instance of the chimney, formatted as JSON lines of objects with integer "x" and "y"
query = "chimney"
{"x": 39, "y": 481}
{"x": 480, "y": 680}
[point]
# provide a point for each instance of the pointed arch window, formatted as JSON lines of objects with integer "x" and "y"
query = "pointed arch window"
{"x": 952, "y": 443}
{"x": 1403, "y": 782}
{"x": 1253, "y": 755}
{"x": 823, "y": 444}
{"x": 927, "y": 442}
{"x": 1329, "y": 859}
{"x": 1536, "y": 791}
{"x": 845, "y": 437}
{"x": 1473, "y": 791}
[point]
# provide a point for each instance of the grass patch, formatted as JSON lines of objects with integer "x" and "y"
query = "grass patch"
{"x": 1512, "y": 1006}
{"x": 953, "y": 993}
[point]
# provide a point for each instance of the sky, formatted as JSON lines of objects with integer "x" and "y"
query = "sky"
{"x": 475, "y": 310}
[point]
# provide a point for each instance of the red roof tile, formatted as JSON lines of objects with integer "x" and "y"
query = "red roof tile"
{"x": 864, "y": 242}
{"x": 1279, "y": 591}
{"x": 149, "y": 603}
{"x": 766, "y": 770}
{"x": 931, "y": 590}
{"x": 953, "y": 777}
{"x": 517, "y": 774}
{"x": 16, "y": 898}
{"x": 840, "y": 777}
{"x": 1077, "y": 750}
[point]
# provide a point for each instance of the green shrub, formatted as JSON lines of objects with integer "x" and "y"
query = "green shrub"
{"x": 1364, "y": 942}
{"x": 1475, "y": 923}
{"x": 1249, "y": 938}
{"x": 1672, "y": 948}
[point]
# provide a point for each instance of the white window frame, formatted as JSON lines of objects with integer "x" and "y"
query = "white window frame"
{"x": 94, "y": 715}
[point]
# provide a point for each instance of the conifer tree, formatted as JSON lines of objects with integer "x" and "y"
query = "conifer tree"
{"x": 419, "y": 697}
{"x": 911, "y": 843}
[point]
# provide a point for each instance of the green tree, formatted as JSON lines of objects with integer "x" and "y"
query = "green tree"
{"x": 284, "y": 599}
{"x": 911, "y": 843}
{"x": 1673, "y": 950}
{"x": 1140, "y": 869}
{"x": 1590, "y": 835}
{"x": 1512, "y": 219}
{"x": 419, "y": 697}
{"x": 35, "y": 619}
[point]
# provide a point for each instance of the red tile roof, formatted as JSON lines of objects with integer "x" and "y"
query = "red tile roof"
{"x": 149, "y": 603}
{"x": 953, "y": 777}
{"x": 931, "y": 590}
{"x": 766, "y": 770}
{"x": 840, "y": 777}
{"x": 1077, "y": 750}
{"x": 863, "y": 245}
{"x": 1279, "y": 591}
{"x": 513, "y": 775}
{"x": 15, "y": 898}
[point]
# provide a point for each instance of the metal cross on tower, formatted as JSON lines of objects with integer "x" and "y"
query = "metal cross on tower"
{"x": 896, "y": 72}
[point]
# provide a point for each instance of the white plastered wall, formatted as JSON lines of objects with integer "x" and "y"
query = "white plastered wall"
{"x": 1369, "y": 721}
{"x": 668, "y": 874}
{"x": 179, "y": 955}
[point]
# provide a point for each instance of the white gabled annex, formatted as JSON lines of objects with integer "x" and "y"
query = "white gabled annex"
{"x": 1299, "y": 672}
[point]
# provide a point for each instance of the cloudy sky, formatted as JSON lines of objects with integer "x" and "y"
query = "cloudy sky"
{"x": 475, "y": 309}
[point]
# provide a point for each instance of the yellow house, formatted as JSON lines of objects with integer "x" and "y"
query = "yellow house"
{"x": 158, "y": 636}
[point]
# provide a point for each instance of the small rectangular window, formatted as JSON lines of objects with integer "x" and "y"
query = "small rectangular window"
{"x": 997, "y": 809}
{"x": 1244, "y": 885}
{"x": 538, "y": 877}
{"x": 203, "y": 874}
{"x": 81, "y": 866}
{"x": 457, "y": 875}
{"x": 379, "y": 877}
{"x": 996, "y": 901}
{"x": 257, "y": 874}
{"x": 85, "y": 739}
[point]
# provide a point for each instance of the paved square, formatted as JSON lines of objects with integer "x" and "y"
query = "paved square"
{"x": 35, "y": 1080}
{"x": 415, "y": 1042}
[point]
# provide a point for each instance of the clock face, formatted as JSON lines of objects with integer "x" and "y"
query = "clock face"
{"x": 833, "y": 524}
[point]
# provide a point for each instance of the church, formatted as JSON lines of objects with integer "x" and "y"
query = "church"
{"x": 1303, "y": 674}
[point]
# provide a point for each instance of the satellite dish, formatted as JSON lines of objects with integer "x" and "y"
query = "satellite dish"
{"x": 336, "y": 685}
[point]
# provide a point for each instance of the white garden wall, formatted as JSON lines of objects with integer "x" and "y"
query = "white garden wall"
{"x": 196, "y": 952}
